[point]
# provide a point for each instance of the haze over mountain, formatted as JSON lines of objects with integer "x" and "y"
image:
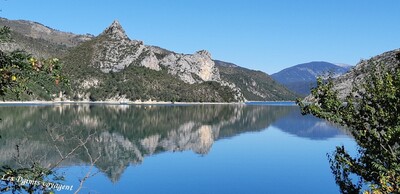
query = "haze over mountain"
{"x": 301, "y": 78}
{"x": 111, "y": 66}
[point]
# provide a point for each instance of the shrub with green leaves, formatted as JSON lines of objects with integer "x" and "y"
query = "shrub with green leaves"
{"x": 21, "y": 76}
{"x": 371, "y": 112}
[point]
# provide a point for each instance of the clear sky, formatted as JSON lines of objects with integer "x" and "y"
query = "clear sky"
{"x": 267, "y": 35}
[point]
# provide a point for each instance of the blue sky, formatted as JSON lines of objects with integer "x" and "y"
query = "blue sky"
{"x": 267, "y": 35}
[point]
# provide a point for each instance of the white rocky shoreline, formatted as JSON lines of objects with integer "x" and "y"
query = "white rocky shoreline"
{"x": 127, "y": 102}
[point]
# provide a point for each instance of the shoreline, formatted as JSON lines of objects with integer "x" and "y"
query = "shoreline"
{"x": 110, "y": 102}
{"x": 128, "y": 102}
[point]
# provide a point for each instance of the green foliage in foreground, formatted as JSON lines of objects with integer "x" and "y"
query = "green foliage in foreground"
{"x": 5, "y": 34}
{"x": 371, "y": 112}
{"x": 22, "y": 76}
{"x": 27, "y": 78}
{"x": 34, "y": 179}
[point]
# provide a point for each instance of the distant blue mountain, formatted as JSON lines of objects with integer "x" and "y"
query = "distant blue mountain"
{"x": 301, "y": 78}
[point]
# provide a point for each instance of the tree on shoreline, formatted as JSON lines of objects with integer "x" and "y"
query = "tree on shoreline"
{"x": 371, "y": 112}
{"x": 24, "y": 77}
{"x": 20, "y": 73}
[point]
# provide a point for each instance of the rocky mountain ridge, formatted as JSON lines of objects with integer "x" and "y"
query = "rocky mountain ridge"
{"x": 115, "y": 51}
{"x": 113, "y": 61}
{"x": 111, "y": 66}
{"x": 39, "y": 40}
{"x": 39, "y": 31}
{"x": 384, "y": 62}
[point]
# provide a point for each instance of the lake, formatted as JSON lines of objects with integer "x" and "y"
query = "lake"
{"x": 252, "y": 148}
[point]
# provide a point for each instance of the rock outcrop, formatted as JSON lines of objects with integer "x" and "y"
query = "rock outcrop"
{"x": 166, "y": 76}
{"x": 114, "y": 51}
{"x": 185, "y": 67}
{"x": 384, "y": 62}
{"x": 356, "y": 76}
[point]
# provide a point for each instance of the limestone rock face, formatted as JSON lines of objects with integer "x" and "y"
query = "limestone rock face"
{"x": 116, "y": 31}
{"x": 150, "y": 61}
{"x": 10, "y": 46}
{"x": 344, "y": 83}
{"x": 194, "y": 68}
{"x": 114, "y": 51}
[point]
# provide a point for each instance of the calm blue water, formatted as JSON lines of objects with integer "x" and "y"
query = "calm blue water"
{"x": 254, "y": 148}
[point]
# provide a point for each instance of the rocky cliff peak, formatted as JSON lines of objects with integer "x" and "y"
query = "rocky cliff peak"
{"x": 187, "y": 65}
{"x": 116, "y": 51}
{"x": 115, "y": 30}
{"x": 204, "y": 53}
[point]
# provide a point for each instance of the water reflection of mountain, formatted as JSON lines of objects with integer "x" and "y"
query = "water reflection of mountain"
{"x": 306, "y": 126}
{"x": 123, "y": 135}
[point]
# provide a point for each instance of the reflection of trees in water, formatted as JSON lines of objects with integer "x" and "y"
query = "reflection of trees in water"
{"x": 35, "y": 173}
{"x": 125, "y": 135}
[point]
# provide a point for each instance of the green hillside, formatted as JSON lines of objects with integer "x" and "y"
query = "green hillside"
{"x": 255, "y": 85}
{"x": 135, "y": 82}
